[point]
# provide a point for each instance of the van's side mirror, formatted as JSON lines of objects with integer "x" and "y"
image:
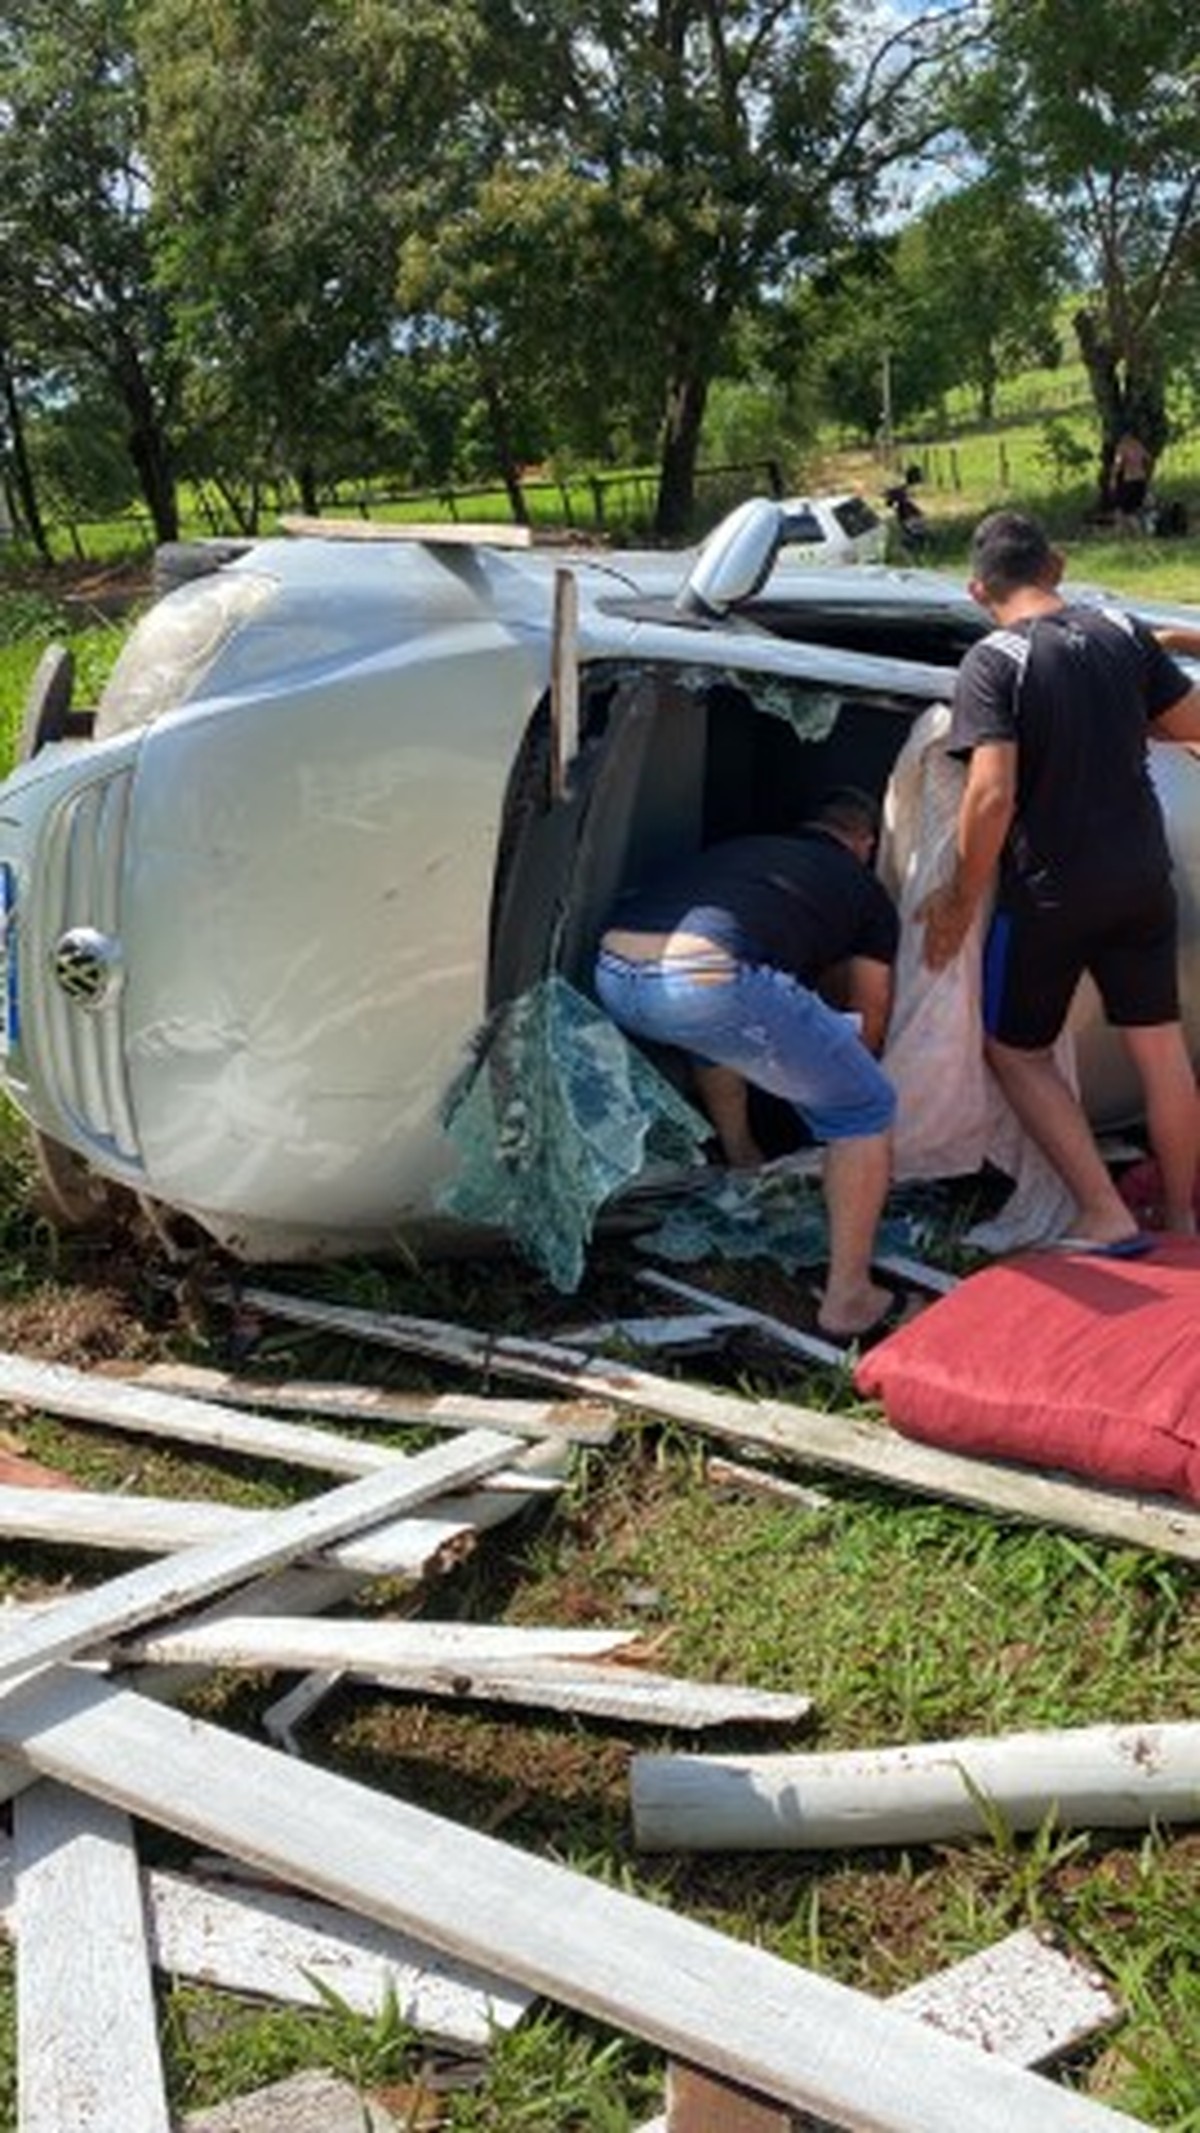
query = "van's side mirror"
{"x": 735, "y": 561}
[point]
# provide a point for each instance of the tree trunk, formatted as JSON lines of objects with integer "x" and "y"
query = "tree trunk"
{"x": 988, "y": 381}
{"x": 306, "y": 482}
{"x": 686, "y": 401}
{"x": 148, "y": 446}
{"x": 26, "y": 493}
{"x": 1128, "y": 393}
{"x": 502, "y": 438}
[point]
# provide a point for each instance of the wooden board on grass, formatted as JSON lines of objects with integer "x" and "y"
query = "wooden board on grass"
{"x": 844, "y": 1443}
{"x": 736, "y": 2012}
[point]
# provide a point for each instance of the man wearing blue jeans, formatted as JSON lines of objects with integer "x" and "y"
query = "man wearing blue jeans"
{"x": 722, "y": 957}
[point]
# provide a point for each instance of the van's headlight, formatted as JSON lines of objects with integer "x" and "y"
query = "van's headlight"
{"x": 175, "y": 644}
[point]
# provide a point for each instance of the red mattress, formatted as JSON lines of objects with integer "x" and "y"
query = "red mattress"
{"x": 1084, "y": 1364}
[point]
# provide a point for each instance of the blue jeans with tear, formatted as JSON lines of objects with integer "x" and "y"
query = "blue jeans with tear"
{"x": 764, "y": 1024}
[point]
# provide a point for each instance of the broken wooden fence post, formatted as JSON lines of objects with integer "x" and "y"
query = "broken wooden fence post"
{"x": 1091, "y": 1777}
{"x": 1024, "y": 1998}
{"x": 844, "y": 1442}
{"x": 703, "y": 1998}
{"x": 271, "y": 1538}
{"x": 696, "y": 2103}
{"x": 87, "y": 2035}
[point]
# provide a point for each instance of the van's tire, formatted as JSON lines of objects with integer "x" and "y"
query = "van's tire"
{"x": 67, "y": 1192}
{"x": 47, "y": 715}
{"x": 178, "y": 562}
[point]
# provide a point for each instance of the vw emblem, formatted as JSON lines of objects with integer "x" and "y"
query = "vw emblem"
{"x": 86, "y": 965}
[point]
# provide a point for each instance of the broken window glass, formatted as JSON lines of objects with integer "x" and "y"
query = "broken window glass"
{"x": 554, "y": 1113}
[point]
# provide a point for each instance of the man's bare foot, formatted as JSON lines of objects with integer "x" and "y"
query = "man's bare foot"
{"x": 849, "y": 1317}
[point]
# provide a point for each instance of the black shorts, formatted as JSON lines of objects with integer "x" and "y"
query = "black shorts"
{"x": 1131, "y": 495}
{"x": 1033, "y": 960}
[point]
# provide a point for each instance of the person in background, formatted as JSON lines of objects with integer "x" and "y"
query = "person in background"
{"x": 1131, "y": 465}
{"x": 1052, "y": 711}
{"x": 723, "y": 955}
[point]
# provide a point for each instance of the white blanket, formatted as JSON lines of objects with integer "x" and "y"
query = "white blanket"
{"x": 952, "y": 1116}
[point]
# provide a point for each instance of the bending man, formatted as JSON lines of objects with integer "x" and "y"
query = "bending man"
{"x": 722, "y": 957}
{"x": 1053, "y": 710}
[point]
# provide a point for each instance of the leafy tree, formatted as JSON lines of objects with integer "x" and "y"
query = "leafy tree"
{"x": 661, "y": 164}
{"x": 74, "y": 206}
{"x": 282, "y": 132}
{"x": 986, "y": 269}
{"x": 1094, "y": 107}
{"x": 862, "y": 312}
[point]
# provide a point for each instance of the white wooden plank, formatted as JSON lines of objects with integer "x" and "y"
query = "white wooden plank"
{"x": 275, "y": 1944}
{"x": 311, "y": 2102}
{"x": 1022, "y": 1999}
{"x": 274, "y": 1537}
{"x": 156, "y": 1525}
{"x": 416, "y": 1547}
{"x": 579, "y": 1421}
{"x": 843, "y": 1442}
{"x": 720, "y": 2004}
{"x": 282, "y": 1946}
{"x": 373, "y": 1647}
{"x": 434, "y": 533}
{"x": 83, "y": 1396}
{"x": 480, "y": 1662}
{"x": 737, "y": 1479}
{"x": 917, "y": 1272}
{"x": 792, "y": 1338}
{"x": 681, "y": 1330}
{"x": 87, "y": 2035}
{"x": 927, "y": 1792}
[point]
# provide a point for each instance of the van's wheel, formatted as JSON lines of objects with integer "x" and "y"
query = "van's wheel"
{"x": 67, "y": 1192}
{"x": 47, "y": 715}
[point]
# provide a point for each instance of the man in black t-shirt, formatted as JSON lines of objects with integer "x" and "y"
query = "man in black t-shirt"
{"x": 1052, "y": 711}
{"x": 722, "y": 957}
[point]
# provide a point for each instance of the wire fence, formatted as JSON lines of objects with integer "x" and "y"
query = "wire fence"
{"x": 589, "y": 503}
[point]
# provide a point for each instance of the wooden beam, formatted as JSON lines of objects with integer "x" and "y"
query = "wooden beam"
{"x": 85, "y": 1396}
{"x": 87, "y": 2035}
{"x": 564, "y": 682}
{"x": 1088, "y": 1777}
{"x": 845, "y": 1443}
{"x": 717, "y": 2003}
{"x": 792, "y": 1338}
{"x": 427, "y": 1544}
{"x": 277, "y": 1945}
{"x": 452, "y": 533}
{"x": 550, "y": 1669}
{"x": 733, "y": 1478}
{"x": 272, "y": 1538}
{"x": 698, "y": 2104}
{"x": 1023, "y": 1999}
{"x": 578, "y": 1421}
{"x": 157, "y": 1525}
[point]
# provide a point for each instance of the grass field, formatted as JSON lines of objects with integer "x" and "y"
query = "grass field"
{"x": 904, "y": 1620}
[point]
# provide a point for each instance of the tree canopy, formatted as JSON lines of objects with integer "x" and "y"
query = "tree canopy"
{"x": 1093, "y": 107}
{"x": 278, "y": 241}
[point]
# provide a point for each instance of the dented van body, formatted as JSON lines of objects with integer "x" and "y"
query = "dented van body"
{"x": 342, "y": 798}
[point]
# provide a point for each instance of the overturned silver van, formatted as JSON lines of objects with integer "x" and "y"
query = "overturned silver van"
{"x": 343, "y": 797}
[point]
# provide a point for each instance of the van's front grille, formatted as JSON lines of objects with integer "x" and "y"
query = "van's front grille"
{"x": 79, "y": 891}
